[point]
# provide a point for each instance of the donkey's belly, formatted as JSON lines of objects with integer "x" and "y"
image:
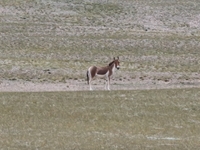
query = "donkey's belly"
{"x": 102, "y": 75}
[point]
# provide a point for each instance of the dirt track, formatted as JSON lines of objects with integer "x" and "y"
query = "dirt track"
{"x": 76, "y": 85}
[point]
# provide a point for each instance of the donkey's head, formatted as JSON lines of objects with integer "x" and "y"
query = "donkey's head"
{"x": 116, "y": 62}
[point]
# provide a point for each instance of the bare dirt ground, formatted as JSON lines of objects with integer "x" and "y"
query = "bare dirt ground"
{"x": 98, "y": 84}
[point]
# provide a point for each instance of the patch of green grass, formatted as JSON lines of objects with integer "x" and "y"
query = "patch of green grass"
{"x": 146, "y": 119}
{"x": 103, "y": 8}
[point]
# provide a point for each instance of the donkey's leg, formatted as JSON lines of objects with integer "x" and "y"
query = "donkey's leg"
{"x": 90, "y": 80}
{"x": 91, "y": 87}
{"x": 108, "y": 83}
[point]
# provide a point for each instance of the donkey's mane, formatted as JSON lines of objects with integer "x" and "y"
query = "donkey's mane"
{"x": 111, "y": 63}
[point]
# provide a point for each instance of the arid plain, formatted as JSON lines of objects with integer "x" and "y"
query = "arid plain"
{"x": 46, "y": 46}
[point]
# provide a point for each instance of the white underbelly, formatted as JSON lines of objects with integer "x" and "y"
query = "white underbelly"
{"x": 102, "y": 76}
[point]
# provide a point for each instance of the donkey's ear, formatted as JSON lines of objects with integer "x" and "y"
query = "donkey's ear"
{"x": 118, "y": 57}
{"x": 113, "y": 58}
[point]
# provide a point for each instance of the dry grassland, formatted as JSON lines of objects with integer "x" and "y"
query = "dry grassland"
{"x": 141, "y": 119}
{"x": 53, "y": 42}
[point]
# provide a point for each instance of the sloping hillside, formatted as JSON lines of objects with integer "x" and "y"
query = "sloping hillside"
{"x": 56, "y": 40}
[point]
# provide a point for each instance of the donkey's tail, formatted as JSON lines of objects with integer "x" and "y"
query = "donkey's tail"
{"x": 87, "y": 74}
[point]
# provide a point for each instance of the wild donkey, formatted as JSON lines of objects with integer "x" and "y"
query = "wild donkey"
{"x": 103, "y": 72}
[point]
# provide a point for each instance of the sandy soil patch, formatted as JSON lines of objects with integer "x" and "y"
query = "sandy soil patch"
{"x": 76, "y": 85}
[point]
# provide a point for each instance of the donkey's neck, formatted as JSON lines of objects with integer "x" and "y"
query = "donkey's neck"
{"x": 112, "y": 66}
